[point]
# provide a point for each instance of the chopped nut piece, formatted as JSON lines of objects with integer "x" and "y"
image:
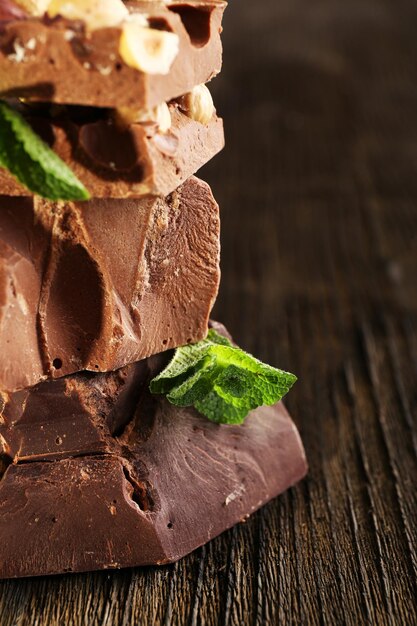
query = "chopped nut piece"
{"x": 33, "y": 7}
{"x": 198, "y": 104}
{"x": 160, "y": 115}
{"x": 138, "y": 18}
{"x": 147, "y": 49}
{"x": 95, "y": 13}
{"x": 163, "y": 117}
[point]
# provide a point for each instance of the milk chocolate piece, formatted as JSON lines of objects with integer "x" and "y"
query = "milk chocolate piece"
{"x": 59, "y": 61}
{"x": 130, "y": 163}
{"x": 96, "y": 285}
{"x": 101, "y": 474}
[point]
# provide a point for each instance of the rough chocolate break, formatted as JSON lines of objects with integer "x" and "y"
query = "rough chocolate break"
{"x": 96, "y": 285}
{"x": 100, "y": 474}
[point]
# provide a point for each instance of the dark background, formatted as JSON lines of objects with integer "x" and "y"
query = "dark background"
{"x": 318, "y": 193}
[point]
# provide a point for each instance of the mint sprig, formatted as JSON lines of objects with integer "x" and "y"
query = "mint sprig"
{"x": 32, "y": 161}
{"x": 221, "y": 381}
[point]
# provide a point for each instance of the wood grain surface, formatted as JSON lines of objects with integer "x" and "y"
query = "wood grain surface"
{"x": 318, "y": 189}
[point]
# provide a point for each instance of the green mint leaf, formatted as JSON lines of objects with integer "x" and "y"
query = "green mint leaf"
{"x": 32, "y": 161}
{"x": 221, "y": 381}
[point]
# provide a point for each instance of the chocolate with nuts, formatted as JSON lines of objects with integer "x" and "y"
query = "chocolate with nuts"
{"x": 129, "y": 161}
{"x": 96, "y": 285}
{"x": 62, "y": 61}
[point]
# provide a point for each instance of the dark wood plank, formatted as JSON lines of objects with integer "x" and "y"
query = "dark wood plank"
{"x": 318, "y": 189}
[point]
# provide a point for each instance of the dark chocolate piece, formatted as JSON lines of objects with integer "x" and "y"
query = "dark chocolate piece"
{"x": 101, "y": 474}
{"x": 130, "y": 163}
{"x": 57, "y": 61}
{"x": 96, "y": 285}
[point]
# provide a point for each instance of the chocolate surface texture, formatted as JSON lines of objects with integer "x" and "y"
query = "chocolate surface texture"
{"x": 98, "y": 473}
{"x": 121, "y": 163}
{"x": 96, "y": 285}
{"x": 59, "y": 61}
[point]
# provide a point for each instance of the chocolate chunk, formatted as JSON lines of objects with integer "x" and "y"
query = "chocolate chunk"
{"x": 72, "y": 416}
{"x": 96, "y": 285}
{"x": 57, "y": 61}
{"x": 101, "y": 474}
{"x": 117, "y": 163}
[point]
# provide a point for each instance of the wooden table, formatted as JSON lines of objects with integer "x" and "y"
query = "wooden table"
{"x": 318, "y": 188}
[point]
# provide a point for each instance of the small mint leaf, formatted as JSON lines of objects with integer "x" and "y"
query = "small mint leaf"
{"x": 235, "y": 381}
{"x": 32, "y": 161}
{"x": 221, "y": 381}
{"x": 215, "y": 337}
{"x": 196, "y": 386}
{"x": 218, "y": 410}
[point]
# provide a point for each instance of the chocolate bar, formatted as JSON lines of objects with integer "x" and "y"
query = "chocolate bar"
{"x": 100, "y": 474}
{"x": 96, "y": 285}
{"x": 130, "y": 162}
{"x": 60, "y": 61}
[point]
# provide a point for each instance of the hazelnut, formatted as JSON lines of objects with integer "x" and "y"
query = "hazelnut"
{"x": 95, "y": 13}
{"x": 198, "y": 104}
{"x": 147, "y": 49}
{"x": 160, "y": 115}
{"x": 163, "y": 117}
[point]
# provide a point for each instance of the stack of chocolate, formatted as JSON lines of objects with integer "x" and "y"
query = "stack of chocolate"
{"x": 97, "y": 472}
